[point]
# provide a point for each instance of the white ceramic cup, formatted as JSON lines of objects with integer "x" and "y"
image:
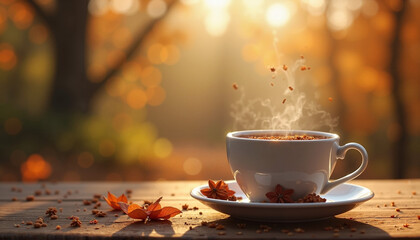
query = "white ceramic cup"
{"x": 305, "y": 166}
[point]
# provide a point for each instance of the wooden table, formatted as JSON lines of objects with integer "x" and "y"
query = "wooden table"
{"x": 371, "y": 220}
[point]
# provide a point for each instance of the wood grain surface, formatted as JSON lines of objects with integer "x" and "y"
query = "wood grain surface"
{"x": 371, "y": 220}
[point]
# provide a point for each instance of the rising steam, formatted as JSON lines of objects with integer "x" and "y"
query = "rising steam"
{"x": 297, "y": 113}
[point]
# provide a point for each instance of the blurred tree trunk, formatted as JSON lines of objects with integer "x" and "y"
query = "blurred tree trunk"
{"x": 400, "y": 141}
{"x": 70, "y": 90}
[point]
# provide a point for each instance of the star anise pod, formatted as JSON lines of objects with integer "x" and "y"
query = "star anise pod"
{"x": 218, "y": 190}
{"x": 280, "y": 195}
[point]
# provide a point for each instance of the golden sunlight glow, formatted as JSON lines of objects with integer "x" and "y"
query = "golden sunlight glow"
{"x": 125, "y": 6}
{"x": 192, "y": 166}
{"x": 216, "y": 22}
{"x": 217, "y": 4}
{"x": 156, "y": 8}
{"x": 339, "y": 19}
{"x": 98, "y": 7}
{"x": 315, "y": 7}
{"x": 162, "y": 148}
{"x": 277, "y": 15}
{"x": 190, "y": 2}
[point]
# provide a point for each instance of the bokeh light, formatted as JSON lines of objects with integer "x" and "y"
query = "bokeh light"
{"x": 192, "y": 166}
{"x": 278, "y": 14}
{"x": 8, "y": 58}
{"x": 125, "y": 6}
{"x": 216, "y": 22}
{"x": 35, "y": 168}
{"x": 21, "y": 15}
{"x": 156, "y": 8}
{"x": 162, "y": 148}
{"x": 136, "y": 98}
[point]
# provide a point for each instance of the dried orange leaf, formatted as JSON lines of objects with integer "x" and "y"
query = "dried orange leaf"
{"x": 168, "y": 212}
{"x": 153, "y": 212}
{"x": 112, "y": 200}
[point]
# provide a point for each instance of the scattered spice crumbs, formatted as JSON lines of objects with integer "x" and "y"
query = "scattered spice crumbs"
{"x": 272, "y": 69}
{"x": 97, "y": 195}
{"x": 235, "y": 86}
{"x": 241, "y": 225}
{"x": 75, "y": 222}
{"x": 406, "y": 225}
{"x": 14, "y": 199}
{"x": 30, "y": 198}
{"x": 58, "y": 227}
{"x": 51, "y": 211}
{"x": 93, "y": 221}
{"x": 220, "y": 227}
{"x": 291, "y": 89}
{"x": 398, "y": 210}
{"x": 101, "y": 214}
{"x": 330, "y": 99}
{"x": 284, "y": 100}
{"x": 285, "y": 67}
{"x": 303, "y": 68}
{"x": 86, "y": 202}
{"x": 185, "y": 207}
{"x": 38, "y": 193}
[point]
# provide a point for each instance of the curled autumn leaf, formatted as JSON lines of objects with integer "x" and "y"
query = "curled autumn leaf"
{"x": 153, "y": 212}
{"x": 113, "y": 201}
{"x": 218, "y": 190}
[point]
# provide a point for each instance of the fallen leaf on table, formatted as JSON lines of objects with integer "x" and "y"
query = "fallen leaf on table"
{"x": 113, "y": 201}
{"x": 153, "y": 212}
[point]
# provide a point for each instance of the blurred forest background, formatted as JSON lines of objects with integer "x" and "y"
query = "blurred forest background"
{"x": 142, "y": 89}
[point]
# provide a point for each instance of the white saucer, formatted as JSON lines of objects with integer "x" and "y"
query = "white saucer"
{"x": 340, "y": 199}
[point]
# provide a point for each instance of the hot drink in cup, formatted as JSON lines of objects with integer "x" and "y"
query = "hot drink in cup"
{"x": 298, "y": 160}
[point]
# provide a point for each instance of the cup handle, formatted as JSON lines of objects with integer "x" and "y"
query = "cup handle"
{"x": 341, "y": 153}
